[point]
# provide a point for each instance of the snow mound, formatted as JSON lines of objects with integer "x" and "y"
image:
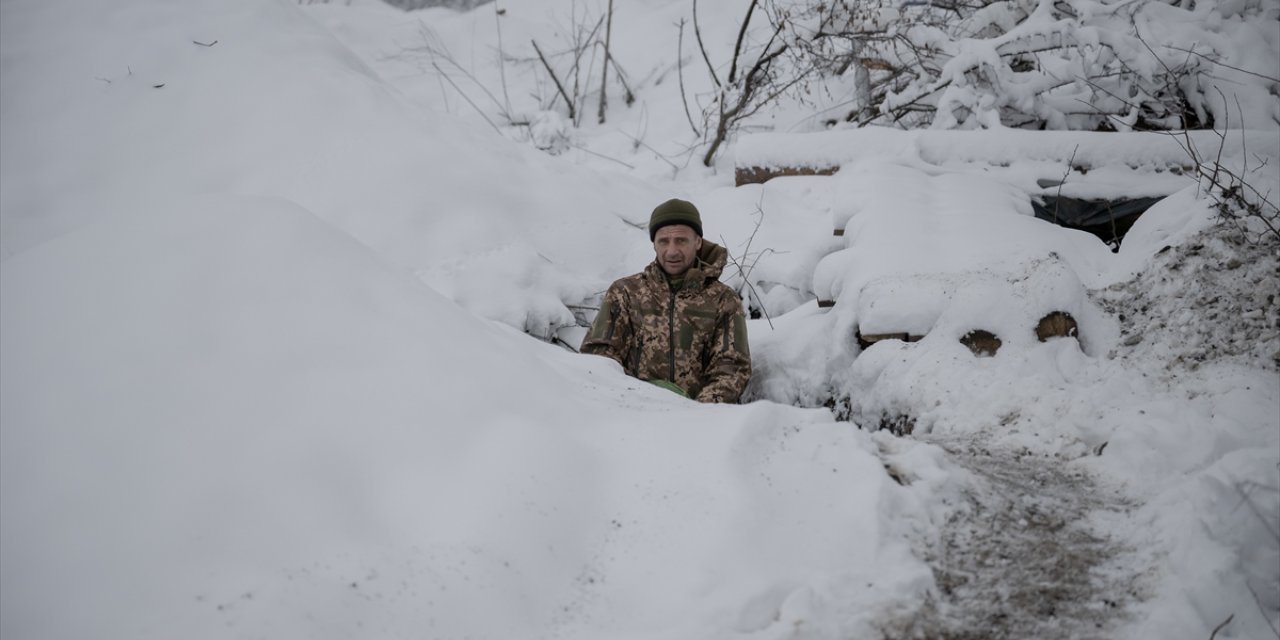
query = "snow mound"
{"x": 221, "y": 413}
{"x": 995, "y": 148}
{"x": 110, "y": 107}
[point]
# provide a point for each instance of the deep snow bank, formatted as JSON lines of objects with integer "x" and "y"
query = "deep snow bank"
{"x": 222, "y": 415}
{"x": 107, "y": 107}
{"x": 1001, "y": 148}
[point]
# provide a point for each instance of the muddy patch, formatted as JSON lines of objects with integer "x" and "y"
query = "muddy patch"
{"x": 1025, "y": 557}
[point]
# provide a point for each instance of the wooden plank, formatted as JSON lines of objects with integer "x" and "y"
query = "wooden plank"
{"x": 760, "y": 175}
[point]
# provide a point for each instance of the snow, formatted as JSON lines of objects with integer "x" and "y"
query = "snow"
{"x": 278, "y": 431}
{"x": 1114, "y": 164}
{"x": 277, "y": 307}
{"x": 382, "y": 171}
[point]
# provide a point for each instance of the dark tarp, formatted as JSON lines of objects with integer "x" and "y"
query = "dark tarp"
{"x": 1107, "y": 219}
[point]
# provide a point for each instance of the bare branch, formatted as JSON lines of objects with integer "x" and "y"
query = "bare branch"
{"x": 697, "y": 32}
{"x": 737, "y": 46}
{"x": 555, "y": 79}
{"x": 745, "y": 272}
{"x": 1262, "y": 609}
{"x": 748, "y": 96}
{"x": 439, "y": 52}
{"x": 622, "y": 77}
{"x": 502, "y": 67}
{"x": 604, "y": 72}
{"x": 1218, "y": 628}
{"x": 1222, "y": 64}
{"x": 465, "y": 97}
{"x": 684, "y": 101}
{"x": 603, "y": 157}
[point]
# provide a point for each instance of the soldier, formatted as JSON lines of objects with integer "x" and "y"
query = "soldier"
{"x": 675, "y": 324}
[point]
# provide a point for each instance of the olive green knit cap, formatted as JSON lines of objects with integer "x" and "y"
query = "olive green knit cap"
{"x": 674, "y": 211}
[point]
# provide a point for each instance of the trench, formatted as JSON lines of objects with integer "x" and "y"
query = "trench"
{"x": 1026, "y": 556}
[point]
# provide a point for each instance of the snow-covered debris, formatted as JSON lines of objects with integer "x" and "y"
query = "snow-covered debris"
{"x": 1199, "y": 427}
{"x": 1072, "y": 64}
{"x": 1169, "y": 386}
{"x": 1102, "y": 165}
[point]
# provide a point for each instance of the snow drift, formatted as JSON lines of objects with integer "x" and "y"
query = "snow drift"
{"x": 230, "y": 404}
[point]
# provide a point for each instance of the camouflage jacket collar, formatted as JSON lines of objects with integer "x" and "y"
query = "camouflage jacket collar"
{"x": 711, "y": 261}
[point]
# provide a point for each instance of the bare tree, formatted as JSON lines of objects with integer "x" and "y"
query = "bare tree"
{"x": 742, "y": 95}
{"x": 1017, "y": 63}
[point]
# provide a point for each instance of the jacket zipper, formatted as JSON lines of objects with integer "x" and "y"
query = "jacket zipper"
{"x": 671, "y": 334}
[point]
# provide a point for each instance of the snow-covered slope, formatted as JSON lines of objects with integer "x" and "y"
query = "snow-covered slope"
{"x": 109, "y": 107}
{"x": 1169, "y": 387}
{"x": 263, "y": 277}
{"x": 229, "y": 407}
{"x": 222, "y": 415}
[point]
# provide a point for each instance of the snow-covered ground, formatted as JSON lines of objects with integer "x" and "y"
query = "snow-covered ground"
{"x": 268, "y": 287}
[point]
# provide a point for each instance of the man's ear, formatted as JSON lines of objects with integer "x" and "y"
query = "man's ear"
{"x": 698, "y": 245}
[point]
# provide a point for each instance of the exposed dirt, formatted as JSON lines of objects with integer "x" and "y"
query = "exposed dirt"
{"x": 1025, "y": 558}
{"x": 1214, "y": 299}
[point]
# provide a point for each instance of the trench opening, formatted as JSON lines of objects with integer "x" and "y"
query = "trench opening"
{"x": 1109, "y": 220}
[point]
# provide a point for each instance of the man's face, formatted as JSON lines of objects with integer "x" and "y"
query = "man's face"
{"x": 676, "y": 245}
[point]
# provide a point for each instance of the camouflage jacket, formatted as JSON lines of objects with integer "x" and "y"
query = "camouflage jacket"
{"x": 693, "y": 333}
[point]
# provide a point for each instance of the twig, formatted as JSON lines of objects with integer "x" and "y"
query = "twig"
{"x": 604, "y": 72}
{"x": 1057, "y": 201}
{"x": 737, "y": 46}
{"x": 745, "y": 272}
{"x": 444, "y": 94}
{"x": 1170, "y": 84}
{"x": 747, "y": 96}
{"x": 1091, "y": 83}
{"x": 622, "y": 77}
{"x": 635, "y": 225}
{"x": 1222, "y": 64}
{"x": 600, "y": 155}
{"x": 465, "y": 97}
{"x": 502, "y": 66}
{"x": 555, "y": 79}
{"x": 697, "y": 32}
{"x": 1262, "y": 609}
{"x": 431, "y": 50}
{"x": 747, "y": 282}
{"x": 580, "y": 46}
{"x": 1220, "y": 626}
{"x": 204, "y": 44}
{"x": 1222, "y": 137}
{"x": 684, "y": 101}
{"x": 762, "y": 254}
{"x": 641, "y": 143}
{"x": 1244, "y": 144}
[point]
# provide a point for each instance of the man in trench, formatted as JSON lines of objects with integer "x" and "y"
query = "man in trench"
{"x": 675, "y": 324}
